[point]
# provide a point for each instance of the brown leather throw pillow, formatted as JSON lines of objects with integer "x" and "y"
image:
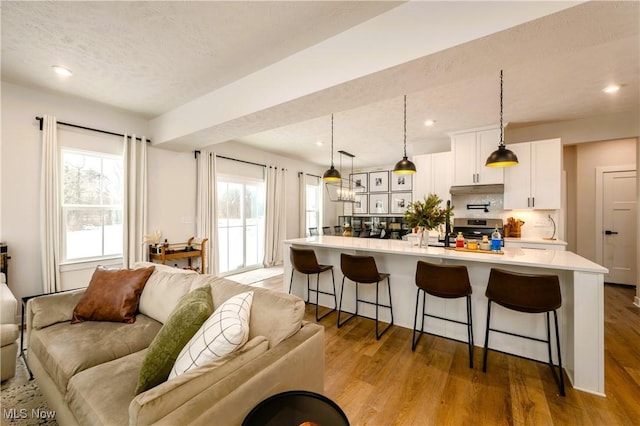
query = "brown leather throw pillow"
{"x": 112, "y": 295}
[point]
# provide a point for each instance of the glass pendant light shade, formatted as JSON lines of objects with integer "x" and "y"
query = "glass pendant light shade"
{"x": 332, "y": 174}
{"x": 501, "y": 157}
{"x": 405, "y": 166}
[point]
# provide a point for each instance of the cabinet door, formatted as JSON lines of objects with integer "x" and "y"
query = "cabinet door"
{"x": 488, "y": 141}
{"x": 517, "y": 179}
{"x": 423, "y": 179}
{"x": 441, "y": 164}
{"x": 464, "y": 158}
{"x": 546, "y": 174}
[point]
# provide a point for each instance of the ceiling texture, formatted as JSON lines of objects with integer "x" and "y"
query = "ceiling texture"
{"x": 270, "y": 74}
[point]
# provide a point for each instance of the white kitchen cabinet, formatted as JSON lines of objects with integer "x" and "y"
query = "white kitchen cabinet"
{"x": 535, "y": 182}
{"x": 434, "y": 175}
{"x": 470, "y": 152}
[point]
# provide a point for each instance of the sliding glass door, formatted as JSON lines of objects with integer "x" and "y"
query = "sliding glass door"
{"x": 240, "y": 223}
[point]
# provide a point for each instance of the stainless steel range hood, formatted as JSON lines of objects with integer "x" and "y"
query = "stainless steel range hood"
{"x": 497, "y": 188}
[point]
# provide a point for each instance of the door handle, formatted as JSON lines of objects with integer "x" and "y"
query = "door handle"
{"x": 607, "y": 232}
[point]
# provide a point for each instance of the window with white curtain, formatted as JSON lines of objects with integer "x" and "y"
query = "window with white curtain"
{"x": 313, "y": 202}
{"x": 92, "y": 205}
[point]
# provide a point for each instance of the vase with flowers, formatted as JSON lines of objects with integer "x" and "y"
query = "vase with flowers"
{"x": 427, "y": 215}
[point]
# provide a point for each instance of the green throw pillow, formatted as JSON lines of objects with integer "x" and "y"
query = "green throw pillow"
{"x": 186, "y": 318}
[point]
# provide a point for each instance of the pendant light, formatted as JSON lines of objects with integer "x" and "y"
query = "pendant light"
{"x": 405, "y": 166}
{"x": 331, "y": 175}
{"x": 501, "y": 157}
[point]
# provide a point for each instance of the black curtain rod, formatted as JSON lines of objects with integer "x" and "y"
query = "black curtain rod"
{"x": 234, "y": 159}
{"x": 40, "y": 119}
{"x": 308, "y": 174}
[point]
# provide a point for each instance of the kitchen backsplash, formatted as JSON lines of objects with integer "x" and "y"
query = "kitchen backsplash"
{"x": 536, "y": 222}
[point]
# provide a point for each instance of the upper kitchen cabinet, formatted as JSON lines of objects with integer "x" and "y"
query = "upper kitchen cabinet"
{"x": 535, "y": 182}
{"x": 434, "y": 175}
{"x": 470, "y": 151}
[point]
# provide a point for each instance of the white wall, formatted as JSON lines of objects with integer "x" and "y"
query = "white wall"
{"x": 20, "y": 158}
{"x": 172, "y": 180}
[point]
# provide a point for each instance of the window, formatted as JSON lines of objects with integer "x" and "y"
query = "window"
{"x": 241, "y": 209}
{"x": 92, "y": 203}
{"x": 314, "y": 202}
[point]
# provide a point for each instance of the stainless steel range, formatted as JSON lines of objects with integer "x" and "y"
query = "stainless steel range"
{"x": 474, "y": 228}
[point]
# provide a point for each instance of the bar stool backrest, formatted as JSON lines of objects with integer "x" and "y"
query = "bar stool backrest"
{"x": 304, "y": 261}
{"x": 448, "y": 281}
{"x": 524, "y": 292}
{"x": 360, "y": 269}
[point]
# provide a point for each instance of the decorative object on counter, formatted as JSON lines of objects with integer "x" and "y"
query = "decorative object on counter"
{"x": 405, "y": 166}
{"x": 427, "y": 214}
{"x": 485, "y": 244}
{"x": 502, "y": 157}
{"x": 553, "y": 236}
{"x": 472, "y": 244}
{"x": 347, "y": 230}
{"x": 496, "y": 240}
{"x": 331, "y": 175}
{"x": 513, "y": 228}
{"x": 460, "y": 240}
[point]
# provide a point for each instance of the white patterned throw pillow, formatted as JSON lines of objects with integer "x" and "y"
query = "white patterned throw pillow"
{"x": 225, "y": 331}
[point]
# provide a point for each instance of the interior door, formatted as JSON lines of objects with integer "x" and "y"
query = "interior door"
{"x": 619, "y": 225}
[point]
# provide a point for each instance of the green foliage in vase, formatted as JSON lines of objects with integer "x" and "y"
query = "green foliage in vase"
{"x": 427, "y": 213}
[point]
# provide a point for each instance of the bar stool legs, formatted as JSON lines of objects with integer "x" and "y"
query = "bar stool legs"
{"x": 469, "y": 323}
{"x": 377, "y": 305}
{"x": 317, "y": 291}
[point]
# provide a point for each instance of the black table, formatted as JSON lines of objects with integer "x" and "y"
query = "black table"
{"x": 295, "y": 408}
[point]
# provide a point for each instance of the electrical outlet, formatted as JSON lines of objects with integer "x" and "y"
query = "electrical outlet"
{"x": 542, "y": 223}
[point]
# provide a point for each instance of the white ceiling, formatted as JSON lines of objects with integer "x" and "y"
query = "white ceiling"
{"x": 159, "y": 59}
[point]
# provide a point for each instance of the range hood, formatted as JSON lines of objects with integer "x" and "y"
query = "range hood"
{"x": 497, "y": 188}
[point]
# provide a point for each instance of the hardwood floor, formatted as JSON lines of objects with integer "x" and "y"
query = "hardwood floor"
{"x": 385, "y": 383}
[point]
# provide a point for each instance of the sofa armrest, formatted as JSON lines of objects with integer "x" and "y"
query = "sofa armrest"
{"x": 49, "y": 309}
{"x": 296, "y": 363}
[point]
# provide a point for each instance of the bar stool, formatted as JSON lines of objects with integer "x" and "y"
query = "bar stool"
{"x": 529, "y": 294}
{"x": 326, "y": 230}
{"x": 305, "y": 262}
{"x": 444, "y": 281}
{"x": 363, "y": 270}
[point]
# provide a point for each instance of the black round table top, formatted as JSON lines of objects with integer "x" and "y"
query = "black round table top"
{"x": 296, "y": 408}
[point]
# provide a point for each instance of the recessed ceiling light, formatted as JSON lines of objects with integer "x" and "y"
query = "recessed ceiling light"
{"x": 613, "y": 88}
{"x": 429, "y": 122}
{"x": 62, "y": 71}
{"x": 319, "y": 143}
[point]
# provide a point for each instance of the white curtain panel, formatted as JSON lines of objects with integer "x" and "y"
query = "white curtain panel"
{"x": 206, "y": 202}
{"x": 302, "y": 211}
{"x": 135, "y": 209}
{"x": 50, "y": 207}
{"x": 275, "y": 216}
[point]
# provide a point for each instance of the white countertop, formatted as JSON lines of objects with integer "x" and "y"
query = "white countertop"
{"x": 535, "y": 240}
{"x": 550, "y": 259}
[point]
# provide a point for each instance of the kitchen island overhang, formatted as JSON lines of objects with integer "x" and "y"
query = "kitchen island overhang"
{"x": 581, "y": 315}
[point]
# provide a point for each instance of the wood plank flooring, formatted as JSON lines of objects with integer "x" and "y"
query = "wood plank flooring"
{"x": 385, "y": 383}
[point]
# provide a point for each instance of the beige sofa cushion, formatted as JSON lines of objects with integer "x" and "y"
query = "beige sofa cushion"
{"x": 104, "y": 406}
{"x": 273, "y": 315}
{"x": 165, "y": 398}
{"x": 163, "y": 291}
{"x": 54, "y": 308}
{"x": 65, "y": 349}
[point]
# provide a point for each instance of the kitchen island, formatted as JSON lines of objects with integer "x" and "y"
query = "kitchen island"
{"x": 581, "y": 316}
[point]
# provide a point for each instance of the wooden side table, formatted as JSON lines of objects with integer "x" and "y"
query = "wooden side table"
{"x": 181, "y": 251}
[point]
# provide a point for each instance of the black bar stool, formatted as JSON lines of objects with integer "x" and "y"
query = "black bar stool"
{"x": 305, "y": 262}
{"x": 529, "y": 294}
{"x": 363, "y": 270}
{"x": 326, "y": 230}
{"x": 448, "y": 282}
